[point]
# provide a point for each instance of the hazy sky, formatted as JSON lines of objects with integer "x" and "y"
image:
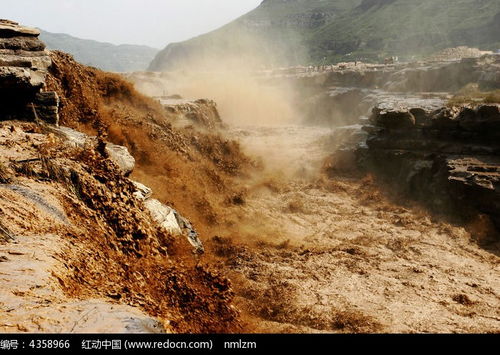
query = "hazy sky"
{"x": 151, "y": 22}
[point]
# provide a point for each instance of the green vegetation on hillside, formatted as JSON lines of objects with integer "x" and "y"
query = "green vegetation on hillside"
{"x": 320, "y": 31}
{"x": 407, "y": 28}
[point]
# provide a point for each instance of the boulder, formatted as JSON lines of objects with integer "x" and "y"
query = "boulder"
{"x": 164, "y": 216}
{"x": 393, "y": 119}
{"x": 116, "y": 153}
{"x": 142, "y": 192}
{"x": 121, "y": 157}
{"x": 174, "y": 223}
{"x": 168, "y": 218}
{"x": 192, "y": 235}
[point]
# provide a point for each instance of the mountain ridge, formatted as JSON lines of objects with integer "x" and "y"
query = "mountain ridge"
{"x": 319, "y": 31}
{"x": 102, "y": 55}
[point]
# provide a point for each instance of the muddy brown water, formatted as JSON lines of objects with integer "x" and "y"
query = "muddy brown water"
{"x": 304, "y": 253}
{"x": 311, "y": 254}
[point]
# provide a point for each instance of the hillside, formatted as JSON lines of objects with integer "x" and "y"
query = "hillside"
{"x": 406, "y": 28}
{"x": 105, "y": 56}
{"x": 298, "y": 32}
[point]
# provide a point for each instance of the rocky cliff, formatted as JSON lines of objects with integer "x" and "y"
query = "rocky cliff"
{"x": 340, "y": 94}
{"x": 403, "y": 123}
{"x": 24, "y": 64}
{"x": 448, "y": 158}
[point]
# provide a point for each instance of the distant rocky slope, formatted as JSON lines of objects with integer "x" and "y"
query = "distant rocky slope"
{"x": 405, "y": 126}
{"x": 105, "y": 56}
{"x": 285, "y": 32}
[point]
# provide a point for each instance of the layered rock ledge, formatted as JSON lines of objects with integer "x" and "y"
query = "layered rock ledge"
{"x": 24, "y": 64}
{"x": 421, "y": 76}
{"x": 448, "y": 158}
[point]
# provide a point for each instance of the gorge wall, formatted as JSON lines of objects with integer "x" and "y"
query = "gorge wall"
{"x": 400, "y": 122}
{"x": 449, "y": 158}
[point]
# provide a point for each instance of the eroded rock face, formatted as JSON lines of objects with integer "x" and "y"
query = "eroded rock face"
{"x": 423, "y": 76}
{"x": 142, "y": 191}
{"x": 24, "y": 64}
{"x": 337, "y": 95}
{"x": 23, "y": 59}
{"x": 202, "y": 113}
{"x": 448, "y": 158}
{"x": 168, "y": 218}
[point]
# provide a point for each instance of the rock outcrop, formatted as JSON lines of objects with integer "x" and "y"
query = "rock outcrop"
{"x": 339, "y": 95}
{"x": 170, "y": 220}
{"x": 24, "y": 64}
{"x": 395, "y": 121}
{"x": 202, "y": 113}
{"x": 448, "y": 158}
{"x": 69, "y": 218}
{"x": 119, "y": 155}
{"x": 423, "y": 76}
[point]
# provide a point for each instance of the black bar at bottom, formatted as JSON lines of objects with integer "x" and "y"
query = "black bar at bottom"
{"x": 183, "y": 343}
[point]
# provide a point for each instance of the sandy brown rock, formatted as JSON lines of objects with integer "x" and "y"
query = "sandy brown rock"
{"x": 11, "y": 28}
